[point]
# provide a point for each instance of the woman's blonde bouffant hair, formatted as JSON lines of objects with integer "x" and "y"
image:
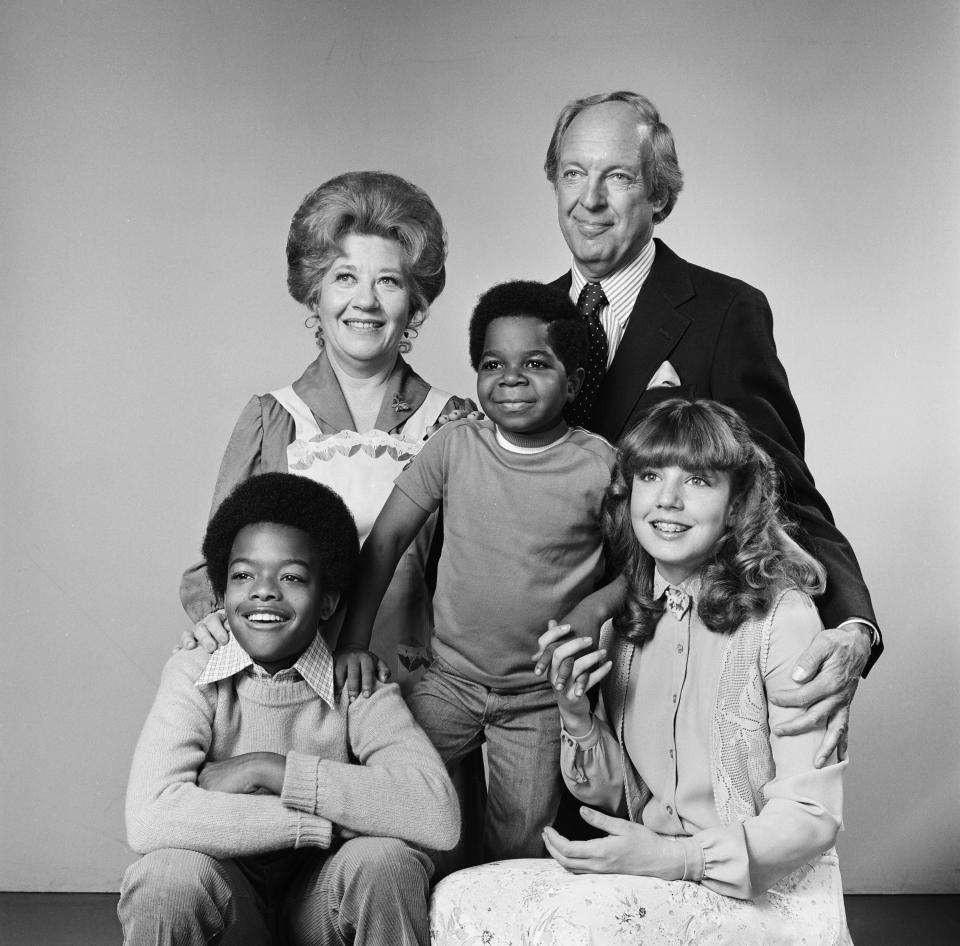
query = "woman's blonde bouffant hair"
{"x": 753, "y": 559}
{"x": 367, "y": 203}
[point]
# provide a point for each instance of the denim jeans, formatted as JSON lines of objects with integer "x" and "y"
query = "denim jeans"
{"x": 522, "y": 733}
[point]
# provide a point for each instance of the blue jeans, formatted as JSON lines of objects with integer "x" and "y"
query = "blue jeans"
{"x": 522, "y": 733}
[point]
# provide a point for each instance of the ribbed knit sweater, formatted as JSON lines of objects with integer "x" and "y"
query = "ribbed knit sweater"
{"x": 364, "y": 766}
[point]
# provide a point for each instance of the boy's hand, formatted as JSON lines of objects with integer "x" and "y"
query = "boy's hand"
{"x": 580, "y": 622}
{"x": 359, "y": 669}
{"x": 546, "y": 645}
{"x": 210, "y": 633}
{"x": 467, "y": 409}
{"x": 251, "y": 773}
{"x": 340, "y": 833}
{"x": 588, "y": 666}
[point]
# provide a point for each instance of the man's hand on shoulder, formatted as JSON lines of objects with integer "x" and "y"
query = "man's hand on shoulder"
{"x": 828, "y": 672}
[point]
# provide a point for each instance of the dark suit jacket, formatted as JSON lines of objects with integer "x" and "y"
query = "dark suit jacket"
{"x": 717, "y": 332}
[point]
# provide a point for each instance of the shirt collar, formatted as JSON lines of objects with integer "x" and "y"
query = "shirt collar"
{"x": 320, "y": 390}
{"x": 622, "y": 286}
{"x": 534, "y": 447}
{"x": 314, "y": 665}
{"x": 689, "y": 585}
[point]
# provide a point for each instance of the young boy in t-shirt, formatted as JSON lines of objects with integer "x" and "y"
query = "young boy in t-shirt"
{"x": 521, "y": 494}
{"x": 245, "y": 796}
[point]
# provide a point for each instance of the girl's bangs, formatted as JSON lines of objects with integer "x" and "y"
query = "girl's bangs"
{"x": 683, "y": 439}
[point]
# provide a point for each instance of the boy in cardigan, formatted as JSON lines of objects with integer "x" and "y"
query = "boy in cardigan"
{"x": 521, "y": 493}
{"x": 256, "y": 822}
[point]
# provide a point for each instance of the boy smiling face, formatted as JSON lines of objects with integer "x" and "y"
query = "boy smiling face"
{"x": 522, "y": 384}
{"x": 274, "y": 601}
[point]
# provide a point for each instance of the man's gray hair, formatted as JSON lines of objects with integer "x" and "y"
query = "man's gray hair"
{"x": 659, "y": 164}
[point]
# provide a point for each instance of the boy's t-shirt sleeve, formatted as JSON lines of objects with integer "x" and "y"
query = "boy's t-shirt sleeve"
{"x": 165, "y": 806}
{"x": 423, "y": 478}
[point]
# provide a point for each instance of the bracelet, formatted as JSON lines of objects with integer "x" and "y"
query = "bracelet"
{"x": 683, "y": 851}
{"x": 577, "y": 740}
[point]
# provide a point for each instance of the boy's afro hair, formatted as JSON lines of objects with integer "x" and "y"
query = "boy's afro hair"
{"x": 288, "y": 500}
{"x": 565, "y": 328}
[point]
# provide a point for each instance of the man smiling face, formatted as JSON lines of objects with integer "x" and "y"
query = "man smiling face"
{"x": 603, "y": 206}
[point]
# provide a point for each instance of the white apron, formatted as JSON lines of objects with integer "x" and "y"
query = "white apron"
{"x": 361, "y": 468}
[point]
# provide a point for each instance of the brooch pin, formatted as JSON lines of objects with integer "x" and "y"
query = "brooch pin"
{"x": 399, "y": 404}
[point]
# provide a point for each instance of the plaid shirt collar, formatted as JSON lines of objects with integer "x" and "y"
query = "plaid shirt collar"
{"x": 314, "y": 665}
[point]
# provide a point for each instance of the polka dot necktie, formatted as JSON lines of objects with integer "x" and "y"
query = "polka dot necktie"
{"x": 591, "y": 301}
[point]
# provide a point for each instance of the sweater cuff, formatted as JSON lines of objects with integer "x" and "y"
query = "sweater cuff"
{"x": 313, "y": 831}
{"x": 301, "y": 782}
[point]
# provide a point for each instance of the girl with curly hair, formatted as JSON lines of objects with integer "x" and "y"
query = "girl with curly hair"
{"x": 713, "y": 825}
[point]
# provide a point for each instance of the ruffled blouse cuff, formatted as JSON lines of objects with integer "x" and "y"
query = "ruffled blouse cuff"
{"x": 580, "y": 755}
{"x": 724, "y": 863}
{"x": 590, "y": 765}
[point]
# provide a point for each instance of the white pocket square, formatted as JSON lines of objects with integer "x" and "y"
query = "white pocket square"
{"x": 665, "y": 377}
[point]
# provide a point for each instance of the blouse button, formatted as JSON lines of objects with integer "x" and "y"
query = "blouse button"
{"x": 679, "y": 648}
{"x": 669, "y": 810}
{"x": 674, "y": 697}
{"x": 671, "y": 753}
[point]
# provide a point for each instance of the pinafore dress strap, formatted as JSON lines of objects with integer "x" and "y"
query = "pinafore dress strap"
{"x": 426, "y": 414}
{"x": 295, "y": 406}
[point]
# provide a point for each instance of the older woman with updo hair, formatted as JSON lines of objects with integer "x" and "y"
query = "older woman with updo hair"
{"x": 365, "y": 255}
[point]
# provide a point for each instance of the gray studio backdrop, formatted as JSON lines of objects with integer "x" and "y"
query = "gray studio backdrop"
{"x": 153, "y": 155}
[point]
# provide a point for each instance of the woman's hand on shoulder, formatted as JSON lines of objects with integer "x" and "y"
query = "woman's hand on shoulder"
{"x": 457, "y": 408}
{"x": 210, "y": 633}
{"x": 359, "y": 669}
{"x": 628, "y": 848}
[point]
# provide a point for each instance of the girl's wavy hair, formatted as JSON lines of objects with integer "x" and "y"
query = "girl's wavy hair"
{"x": 754, "y": 557}
{"x": 367, "y": 203}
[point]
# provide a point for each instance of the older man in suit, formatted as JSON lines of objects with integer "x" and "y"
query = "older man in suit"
{"x": 662, "y": 327}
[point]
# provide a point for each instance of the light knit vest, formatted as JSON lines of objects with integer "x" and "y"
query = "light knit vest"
{"x": 740, "y": 754}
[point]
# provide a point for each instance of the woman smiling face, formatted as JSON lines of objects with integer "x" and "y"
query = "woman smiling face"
{"x": 364, "y": 304}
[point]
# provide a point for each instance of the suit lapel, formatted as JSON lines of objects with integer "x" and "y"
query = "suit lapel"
{"x": 654, "y": 328}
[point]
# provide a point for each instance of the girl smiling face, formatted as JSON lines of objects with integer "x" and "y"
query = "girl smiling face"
{"x": 679, "y": 516}
{"x": 364, "y": 304}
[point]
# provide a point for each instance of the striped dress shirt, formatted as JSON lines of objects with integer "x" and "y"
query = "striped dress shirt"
{"x": 621, "y": 289}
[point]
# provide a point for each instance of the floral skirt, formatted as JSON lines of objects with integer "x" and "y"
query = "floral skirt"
{"x": 538, "y": 903}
